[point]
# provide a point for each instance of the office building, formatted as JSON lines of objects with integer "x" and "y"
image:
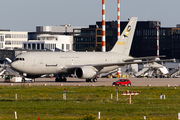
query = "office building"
{"x": 86, "y": 37}
{"x": 51, "y": 30}
{"x": 51, "y": 38}
{"x": 91, "y": 37}
{"x": 11, "y": 39}
{"x": 144, "y": 41}
{"x": 50, "y": 42}
{"x": 178, "y": 25}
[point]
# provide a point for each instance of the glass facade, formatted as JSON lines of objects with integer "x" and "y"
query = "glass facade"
{"x": 81, "y": 47}
{"x": 92, "y": 36}
{"x": 86, "y": 37}
{"x": 144, "y": 41}
{"x": 1, "y": 38}
{"x": 175, "y": 43}
{"x": 15, "y": 35}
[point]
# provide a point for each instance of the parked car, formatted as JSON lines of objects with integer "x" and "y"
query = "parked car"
{"x": 122, "y": 82}
{"x": 13, "y": 78}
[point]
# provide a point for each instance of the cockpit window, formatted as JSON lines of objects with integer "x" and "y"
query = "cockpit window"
{"x": 18, "y": 59}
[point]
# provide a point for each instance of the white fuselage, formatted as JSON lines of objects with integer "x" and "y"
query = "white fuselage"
{"x": 38, "y": 63}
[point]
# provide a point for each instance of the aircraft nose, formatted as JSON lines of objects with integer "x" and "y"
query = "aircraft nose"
{"x": 14, "y": 65}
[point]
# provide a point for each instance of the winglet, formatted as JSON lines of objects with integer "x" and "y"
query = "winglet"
{"x": 123, "y": 44}
{"x": 9, "y": 60}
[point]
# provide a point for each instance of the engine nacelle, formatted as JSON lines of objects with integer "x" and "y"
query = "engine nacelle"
{"x": 85, "y": 72}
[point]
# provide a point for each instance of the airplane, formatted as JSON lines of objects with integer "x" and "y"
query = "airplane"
{"x": 85, "y": 65}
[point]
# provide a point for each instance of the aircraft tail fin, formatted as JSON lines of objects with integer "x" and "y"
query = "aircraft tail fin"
{"x": 123, "y": 45}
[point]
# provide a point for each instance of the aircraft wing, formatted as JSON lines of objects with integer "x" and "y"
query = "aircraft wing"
{"x": 127, "y": 63}
{"x": 115, "y": 64}
{"x": 141, "y": 58}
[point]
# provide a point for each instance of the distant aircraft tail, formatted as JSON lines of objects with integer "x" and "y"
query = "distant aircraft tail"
{"x": 123, "y": 45}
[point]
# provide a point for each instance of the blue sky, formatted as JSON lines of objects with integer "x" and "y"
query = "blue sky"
{"x": 25, "y": 15}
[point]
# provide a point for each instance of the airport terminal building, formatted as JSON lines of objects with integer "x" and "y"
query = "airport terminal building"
{"x": 54, "y": 38}
{"x": 50, "y": 42}
{"x": 11, "y": 39}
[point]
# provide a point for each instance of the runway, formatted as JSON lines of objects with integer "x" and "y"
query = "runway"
{"x": 101, "y": 82}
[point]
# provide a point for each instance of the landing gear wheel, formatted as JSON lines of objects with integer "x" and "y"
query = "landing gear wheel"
{"x": 64, "y": 79}
{"x": 33, "y": 80}
{"x": 88, "y": 80}
{"x": 23, "y": 80}
{"x": 95, "y": 80}
{"x": 57, "y": 79}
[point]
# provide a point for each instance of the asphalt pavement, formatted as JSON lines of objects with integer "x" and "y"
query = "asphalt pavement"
{"x": 101, "y": 82}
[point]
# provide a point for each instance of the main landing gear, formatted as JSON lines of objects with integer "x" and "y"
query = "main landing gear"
{"x": 91, "y": 80}
{"x": 60, "y": 79}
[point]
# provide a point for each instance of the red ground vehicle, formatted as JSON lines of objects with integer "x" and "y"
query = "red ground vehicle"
{"x": 122, "y": 82}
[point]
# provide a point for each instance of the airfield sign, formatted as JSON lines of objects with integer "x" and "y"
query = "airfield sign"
{"x": 130, "y": 93}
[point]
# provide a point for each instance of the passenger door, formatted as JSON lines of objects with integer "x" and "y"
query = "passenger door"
{"x": 33, "y": 61}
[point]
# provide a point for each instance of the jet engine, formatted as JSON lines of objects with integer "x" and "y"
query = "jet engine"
{"x": 85, "y": 72}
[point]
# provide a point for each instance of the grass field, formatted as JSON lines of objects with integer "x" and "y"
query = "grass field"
{"x": 84, "y": 103}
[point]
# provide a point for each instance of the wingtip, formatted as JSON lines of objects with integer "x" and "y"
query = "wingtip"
{"x": 9, "y": 60}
